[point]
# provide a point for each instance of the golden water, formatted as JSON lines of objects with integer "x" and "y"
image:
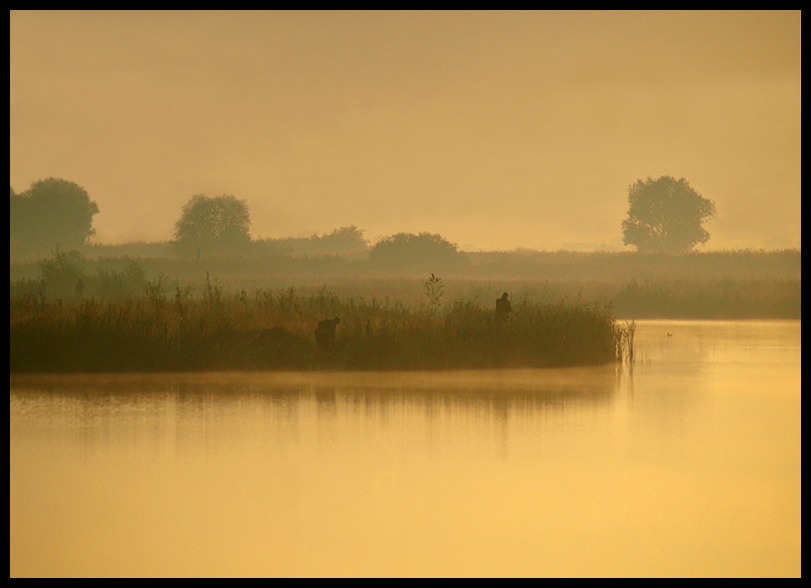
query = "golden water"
{"x": 689, "y": 464}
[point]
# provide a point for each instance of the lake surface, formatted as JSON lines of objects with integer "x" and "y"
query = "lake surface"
{"x": 687, "y": 464}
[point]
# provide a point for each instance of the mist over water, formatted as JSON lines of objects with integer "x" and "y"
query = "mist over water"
{"x": 687, "y": 464}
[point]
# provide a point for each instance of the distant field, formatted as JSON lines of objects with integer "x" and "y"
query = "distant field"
{"x": 723, "y": 285}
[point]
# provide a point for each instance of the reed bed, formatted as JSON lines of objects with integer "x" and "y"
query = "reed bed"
{"x": 274, "y": 330}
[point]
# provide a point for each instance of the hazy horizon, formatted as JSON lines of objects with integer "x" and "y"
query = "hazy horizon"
{"x": 497, "y": 130}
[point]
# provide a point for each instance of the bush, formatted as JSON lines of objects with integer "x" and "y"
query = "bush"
{"x": 423, "y": 253}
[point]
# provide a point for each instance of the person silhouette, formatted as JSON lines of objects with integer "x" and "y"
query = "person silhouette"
{"x": 325, "y": 334}
{"x": 503, "y": 307}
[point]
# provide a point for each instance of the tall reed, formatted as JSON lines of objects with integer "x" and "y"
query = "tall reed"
{"x": 273, "y": 329}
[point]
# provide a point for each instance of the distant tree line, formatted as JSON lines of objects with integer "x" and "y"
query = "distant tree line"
{"x": 342, "y": 241}
{"x": 664, "y": 216}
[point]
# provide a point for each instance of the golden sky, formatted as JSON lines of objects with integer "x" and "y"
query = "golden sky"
{"x": 495, "y": 129}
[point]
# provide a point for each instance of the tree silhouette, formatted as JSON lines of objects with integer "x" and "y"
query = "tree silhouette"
{"x": 666, "y": 216}
{"x": 51, "y": 212}
{"x": 213, "y": 225}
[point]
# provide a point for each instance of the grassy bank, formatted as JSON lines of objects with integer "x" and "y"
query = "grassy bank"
{"x": 274, "y": 329}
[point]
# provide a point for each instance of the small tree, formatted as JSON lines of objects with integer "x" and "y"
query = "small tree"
{"x": 666, "y": 216}
{"x": 215, "y": 224}
{"x": 51, "y": 212}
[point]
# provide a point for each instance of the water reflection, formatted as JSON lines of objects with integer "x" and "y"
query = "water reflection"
{"x": 689, "y": 464}
{"x": 182, "y": 409}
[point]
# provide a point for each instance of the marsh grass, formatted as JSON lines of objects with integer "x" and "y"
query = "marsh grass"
{"x": 273, "y": 329}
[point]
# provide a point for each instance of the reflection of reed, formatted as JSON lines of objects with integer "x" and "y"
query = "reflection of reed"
{"x": 213, "y": 413}
{"x": 193, "y": 393}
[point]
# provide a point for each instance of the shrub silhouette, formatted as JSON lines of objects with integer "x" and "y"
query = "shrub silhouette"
{"x": 62, "y": 274}
{"x": 423, "y": 252}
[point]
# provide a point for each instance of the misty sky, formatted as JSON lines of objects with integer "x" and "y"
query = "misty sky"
{"x": 497, "y": 130}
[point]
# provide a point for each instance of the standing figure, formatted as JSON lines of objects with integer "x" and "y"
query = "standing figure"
{"x": 503, "y": 307}
{"x": 325, "y": 334}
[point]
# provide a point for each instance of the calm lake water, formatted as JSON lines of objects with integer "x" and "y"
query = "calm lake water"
{"x": 689, "y": 464}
